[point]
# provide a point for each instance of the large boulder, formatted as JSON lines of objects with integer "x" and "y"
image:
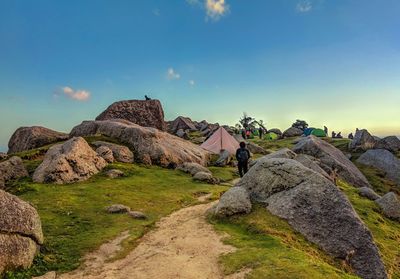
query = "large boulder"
{"x": 105, "y": 153}
{"x": 292, "y": 132}
{"x": 236, "y": 200}
{"x": 363, "y": 140}
{"x": 26, "y": 138}
{"x": 10, "y": 170}
{"x": 121, "y": 153}
{"x": 316, "y": 208}
{"x": 391, "y": 143}
{"x": 149, "y": 145}
{"x": 255, "y": 148}
{"x": 390, "y": 205}
{"x": 384, "y": 160}
{"x": 69, "y": 162}
{"x": 144, "y": 113}
{"x": 332, "y": 160}
{"x": 20, "y": 233}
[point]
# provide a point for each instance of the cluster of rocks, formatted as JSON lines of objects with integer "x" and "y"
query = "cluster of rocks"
{"x": 11, "y": 170}
{"x": 120, "y": 209}
{"x": 182, "y": 126}
{"x": 299, "y": 187}
{"x": 198, "y": 172}
{"x": 364, "y": 141}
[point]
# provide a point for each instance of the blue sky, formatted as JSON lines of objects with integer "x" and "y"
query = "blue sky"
{"x": 330, "y": 62}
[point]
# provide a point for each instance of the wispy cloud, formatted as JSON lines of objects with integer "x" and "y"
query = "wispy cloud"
{"x": 191, "y": 82}
{"x": 171, "y": 74}
{"x": 78, "y": 95}
{"x": 215, "y": 9}
{"x": 304, "y": 6}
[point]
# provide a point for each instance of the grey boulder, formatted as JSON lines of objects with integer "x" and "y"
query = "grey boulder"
{"x": 363, "y": 140}
{"x": 383, "y": 160}
{"x": 332, "y": 160}
{"x": 292, "y": 132}
{"x": 20, "y": 233}
{"x": 117, "y": 208}
{"x": 390, "y": 205}
{"x": 368, "y": 193}
{"x": 10, "y": 170}
{"x": 69, "y": 162}
{"x": 391, "y": 143}
{"x": 236, "y": 200}
{"x": 205, "y": 177}
{"x": 193, "y": 168}
{"x": 121, "y": 153}
{"x": 316, "y": 208}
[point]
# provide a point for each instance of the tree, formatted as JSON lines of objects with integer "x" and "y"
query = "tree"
{"x": 247, "y": 122}
{"x": 300, "y": 124}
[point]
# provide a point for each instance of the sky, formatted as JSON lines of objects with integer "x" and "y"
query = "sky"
{"x": 329, "y": 62}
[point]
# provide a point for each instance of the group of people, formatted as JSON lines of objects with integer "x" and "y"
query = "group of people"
{"x": 246, "y": 133}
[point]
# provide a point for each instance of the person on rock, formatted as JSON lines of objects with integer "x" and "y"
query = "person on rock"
{"x": 243, "y": 156}
{"x": 326, "y": 130}
{"x": 350, "y": 136}
{"x": 260, "y": 132}
{"x": 333, "y": 134}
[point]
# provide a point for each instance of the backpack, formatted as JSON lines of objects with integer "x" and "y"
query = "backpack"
{"x": 243, "y": 155}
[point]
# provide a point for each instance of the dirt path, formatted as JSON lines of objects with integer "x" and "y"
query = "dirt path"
{"x": 184, "y": 245}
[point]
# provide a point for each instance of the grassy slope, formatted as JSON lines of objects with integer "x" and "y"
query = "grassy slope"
{"x": 272, "y": 249}
{"x": 74, "y": 220}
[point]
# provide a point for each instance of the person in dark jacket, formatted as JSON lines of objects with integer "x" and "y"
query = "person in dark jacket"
{"x": 260, "y": 132}
{"x": 243, "y": 156}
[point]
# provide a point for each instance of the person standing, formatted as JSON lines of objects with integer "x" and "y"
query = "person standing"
{"x": 243, "y": 156}
{"x": 260, "y": 132}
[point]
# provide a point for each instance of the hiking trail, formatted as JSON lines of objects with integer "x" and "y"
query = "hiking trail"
{"x": 183, "y": 245}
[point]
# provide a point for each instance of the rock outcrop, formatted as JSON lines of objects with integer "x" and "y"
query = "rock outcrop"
{"x": 363, "y": 140}
{"x": 332, "y": 160}
{"x": 121, "y": 153}
{"x": 10, "y": 170}
{"x": 292, "y": 132}
{"x": 384, "y": 160}
{"x": 236, "y": 200}
{"x": 368, "y": 193}
{"x": 391, "y": 143}
{"x": 316, "y": 208}
{"x": 149, "y": 145}
{"x": 255, "y": 148}
{"x": 105, "y": 153}
{"x": 205, "y": 177}
{"x": 390, "y": 205}
{"x": 193, "y": 168}
{"x": 20, "y": 233}
{"x": 182, "y": 123}
{"x": 3, "y": 156}
{"x": 26, "y": 138}
{"x": 144, "y": 113}
{"x": 69, "y": 162}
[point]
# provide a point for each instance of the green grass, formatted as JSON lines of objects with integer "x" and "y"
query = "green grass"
{"x": 386, "y": 232}
{"x": 274, "y": 145}
{"x": 377, "y": 179}
{"x": 74, "y": 219}
{"x": 225, "y": 174}
{"x": 268, "y": 245}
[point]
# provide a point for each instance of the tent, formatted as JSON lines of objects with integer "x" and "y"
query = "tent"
{"x": 221, "y": 140}
{"x": 271, "y": 136}
{"x": 308, "y": 131}
{"x": 318, "y": 133}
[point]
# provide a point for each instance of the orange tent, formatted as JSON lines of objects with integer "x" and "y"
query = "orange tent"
{"x": 221, "y": 140}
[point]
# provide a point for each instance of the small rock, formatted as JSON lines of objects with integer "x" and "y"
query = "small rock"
{"x": 368, "y": 193}
{"x": 235, "y": 200}
{"x": 390, "y": 205}
{"x": 193, "y": 168}
{"x": 137, "y": 215}
{"x": 106, "y": 153}
{"x": 206, "y": 177}
{"x": 121, "y": 153}
{"x": 182, "y": 134}
{"x": 118, "y": 208}
{"x": 114, "y": 173}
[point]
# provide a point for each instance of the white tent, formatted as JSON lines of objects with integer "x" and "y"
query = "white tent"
{"x": 221, "y": 140}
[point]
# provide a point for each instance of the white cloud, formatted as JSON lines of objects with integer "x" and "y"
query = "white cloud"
{"x": 191, "y": 82}
{"x": 304, "y": 6}
{"x": 216, "y": 9}
{"x": 79, "y": 95}
{"x": 171, "y": 74}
